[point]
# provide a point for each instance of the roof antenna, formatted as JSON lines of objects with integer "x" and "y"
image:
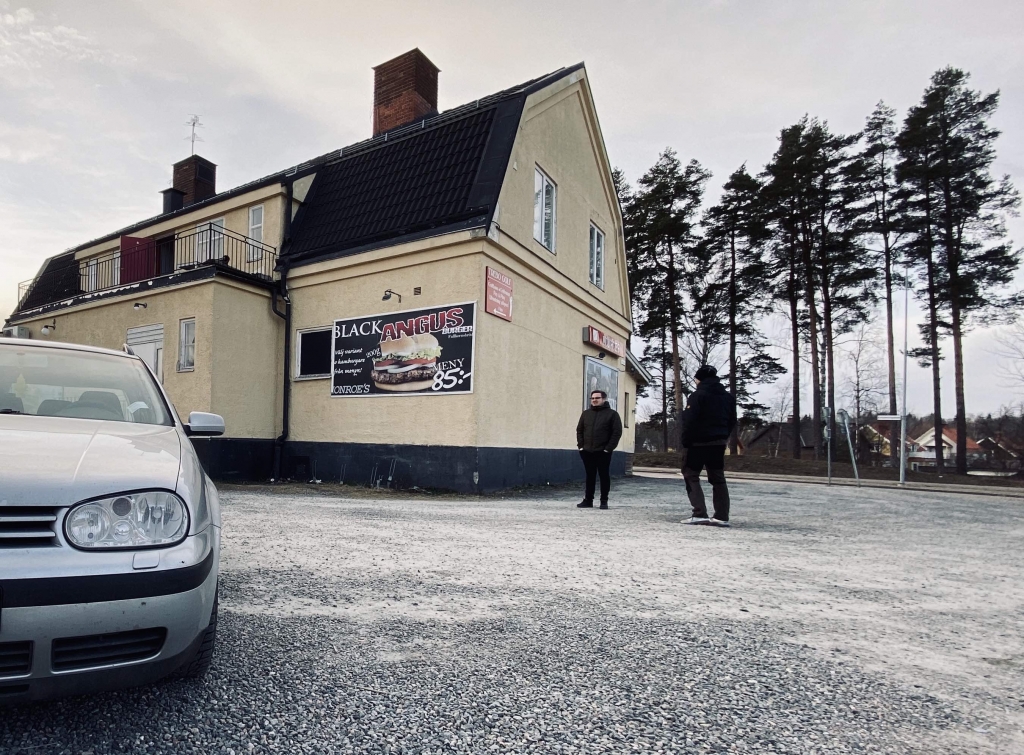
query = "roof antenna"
{"x": 194, "y": 122}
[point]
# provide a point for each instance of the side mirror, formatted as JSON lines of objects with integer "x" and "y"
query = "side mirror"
{"x": 204, "y": 424}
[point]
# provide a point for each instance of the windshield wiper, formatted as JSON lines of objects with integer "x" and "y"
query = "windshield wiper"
{"x": 10, "y": 411}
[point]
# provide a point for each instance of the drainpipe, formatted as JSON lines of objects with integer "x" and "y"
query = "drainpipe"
{"x": 286, "y": 315}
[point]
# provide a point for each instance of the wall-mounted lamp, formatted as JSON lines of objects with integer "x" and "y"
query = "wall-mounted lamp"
{"x": 47, "y": 329}
{"x": 139, "y": 305}
{"x": 601, "y": 355}
{"x": 389, "y": 293}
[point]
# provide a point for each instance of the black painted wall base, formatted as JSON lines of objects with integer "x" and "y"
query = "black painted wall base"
{"x": 236, "y": 459}
{"x": 464, "y": 469}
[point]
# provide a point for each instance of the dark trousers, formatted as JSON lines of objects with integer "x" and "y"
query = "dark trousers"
{"x": 597, "y": 463}
{"x": 712, "y": 457}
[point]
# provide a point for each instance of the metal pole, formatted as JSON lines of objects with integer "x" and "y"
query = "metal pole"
{"x": 845, "y": 417}
{"x": 903, "y": 418}
{"x": 828, "y": 441}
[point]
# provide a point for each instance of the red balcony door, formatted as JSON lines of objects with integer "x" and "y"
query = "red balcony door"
{"x": 139, "y": 259}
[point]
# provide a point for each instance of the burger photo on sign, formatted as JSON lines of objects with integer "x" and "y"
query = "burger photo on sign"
{"x": 407, "y": 363}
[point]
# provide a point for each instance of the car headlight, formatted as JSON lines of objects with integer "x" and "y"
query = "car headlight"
{"x": 133, "y": 520}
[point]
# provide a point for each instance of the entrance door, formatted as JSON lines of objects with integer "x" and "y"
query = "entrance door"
{"x": 147, "y": 341}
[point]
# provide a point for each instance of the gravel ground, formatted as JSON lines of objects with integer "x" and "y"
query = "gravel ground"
{"x": 823, "y": 621}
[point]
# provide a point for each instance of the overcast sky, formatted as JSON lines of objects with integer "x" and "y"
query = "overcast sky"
{"x": 94, "y": 95}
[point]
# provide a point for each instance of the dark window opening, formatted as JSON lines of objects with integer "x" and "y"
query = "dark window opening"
{"x": 165, "y": 255}
{"x": 315, "y": 353}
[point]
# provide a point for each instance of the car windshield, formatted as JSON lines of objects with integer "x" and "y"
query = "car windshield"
{"x": 48, "y": 382}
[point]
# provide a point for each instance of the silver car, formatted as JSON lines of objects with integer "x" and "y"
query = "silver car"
{"x": 109, "y": 527}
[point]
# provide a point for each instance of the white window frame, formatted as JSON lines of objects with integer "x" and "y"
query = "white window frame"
{"x": 115, "y": 275}
{"x": 298, "y": 354}
{"x": 210, "y": 244}
{"x": 597, "y": 256}
{"x": 541, "y": 183}
{"x": 255, "y": 253}
{"x": 92, "y": 275}
{"x": 183, "y": 365}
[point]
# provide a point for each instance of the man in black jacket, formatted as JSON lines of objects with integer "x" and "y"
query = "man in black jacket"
{"x": 597, "y": 435}
{"x": 708, "y": 421}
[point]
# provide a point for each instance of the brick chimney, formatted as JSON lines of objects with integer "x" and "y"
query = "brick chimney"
{"x": 404, "y": 90}
{"x": 196, "y": 178}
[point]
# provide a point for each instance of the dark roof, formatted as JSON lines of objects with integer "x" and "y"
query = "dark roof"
{"x": 440, "y": 174}
{"x": 420, "y": 183}
{"x": 770, "y": 433}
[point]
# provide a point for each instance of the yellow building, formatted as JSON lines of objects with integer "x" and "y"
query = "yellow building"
{"x": 427, "y": 307}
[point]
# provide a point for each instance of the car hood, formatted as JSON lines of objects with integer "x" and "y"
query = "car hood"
{"x": 52, "y": 461}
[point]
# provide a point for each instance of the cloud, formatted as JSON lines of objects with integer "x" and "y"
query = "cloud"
{"x": 27, "y": 144}
{"x": 29, "y": 45}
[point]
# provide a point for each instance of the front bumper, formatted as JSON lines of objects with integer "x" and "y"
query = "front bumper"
{"x": 42, "y": 610}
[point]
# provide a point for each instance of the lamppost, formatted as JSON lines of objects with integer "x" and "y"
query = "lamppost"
{"x": 903, "y": 419}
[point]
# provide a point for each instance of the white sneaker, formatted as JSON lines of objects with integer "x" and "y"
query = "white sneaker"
{"x": 696, "y": 520}
{"x": 718, "y": 522}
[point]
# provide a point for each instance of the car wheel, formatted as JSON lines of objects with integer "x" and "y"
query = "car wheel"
{"x": 203, "y": 659}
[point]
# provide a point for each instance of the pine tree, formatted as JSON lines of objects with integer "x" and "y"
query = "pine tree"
{"x": 664, "y": 213}
{"x": 790, "y": 190}
{"x": 786, "y": 275}
{"x": 952, "y": 124}
{"x": 815, "y": 190}
{"x": 879, "y": 172}
{"x": 736, "y": 233}
{"x": 916, "y": 202}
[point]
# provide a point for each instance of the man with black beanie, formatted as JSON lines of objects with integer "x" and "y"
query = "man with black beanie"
{"x": 708, "y": 421}
{"x": 597, "y": 434}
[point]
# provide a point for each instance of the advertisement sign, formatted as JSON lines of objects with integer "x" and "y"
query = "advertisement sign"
{"x": 598, "y": 376}
{"x": 416, "y": 352}
{"x": 601, "y": 340}
{"x": 499, "y": 294}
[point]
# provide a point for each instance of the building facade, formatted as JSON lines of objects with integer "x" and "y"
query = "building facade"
{"x": 425, "y": 308}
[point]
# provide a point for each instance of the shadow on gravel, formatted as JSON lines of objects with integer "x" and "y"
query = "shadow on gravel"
{"x": 547, "y": 675}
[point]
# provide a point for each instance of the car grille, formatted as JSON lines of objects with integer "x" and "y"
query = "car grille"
{"x": 28, "y": 526}
{"x": 70, "y": 653}
{"x": 7, "y": 690}
{"x": 15, "y": 658}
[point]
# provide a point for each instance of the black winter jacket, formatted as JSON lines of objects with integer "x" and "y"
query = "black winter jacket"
{"x": 710, "y": 414}
{"x": 599, "y": 429}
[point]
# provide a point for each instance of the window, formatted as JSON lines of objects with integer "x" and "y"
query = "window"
{"x": 92, "y": 270}
{"x": 115, "y": 274}
{"x": 313, "y": 353}
{"x": 147, "y": 341}
{"x": 596, "y": 256}
{"x": 544, "y": 210}
{"x": 598, "y": 376}
{"x": 255, "y": 252}
{"x": 210, "y": 241}
{"x": 187, "y": 345}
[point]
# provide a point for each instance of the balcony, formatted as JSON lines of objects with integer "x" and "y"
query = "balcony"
{"x": 209, "y": 246}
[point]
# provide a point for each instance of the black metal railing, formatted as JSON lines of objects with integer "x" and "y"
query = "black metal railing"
{"x": 143, "y": 259}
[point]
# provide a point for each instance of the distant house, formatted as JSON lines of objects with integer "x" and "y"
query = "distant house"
{"x": 874, "y": 438}
{"x": 998, "y": 456}
{"x": 921, "y": 454}
{"x": 741, "y": 448}
{"x": 777, "y": 439}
